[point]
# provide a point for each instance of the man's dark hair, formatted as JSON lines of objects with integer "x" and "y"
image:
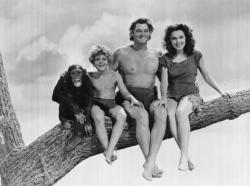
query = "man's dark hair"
{"x": 140, "y": 21}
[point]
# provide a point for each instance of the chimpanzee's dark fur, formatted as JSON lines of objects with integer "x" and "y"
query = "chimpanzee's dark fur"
{"x": 73, "y": 99}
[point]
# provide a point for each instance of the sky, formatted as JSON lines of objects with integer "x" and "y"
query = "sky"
{"x": 40, "y": 39}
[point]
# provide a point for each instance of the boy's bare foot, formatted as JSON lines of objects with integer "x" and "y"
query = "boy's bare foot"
{"x": 113, "y": 157}
{"x": 183, "y": 164}
{"x": 156, "y": 173}
{"x": 190, "y": 165}
{"x": 108, "y": 157}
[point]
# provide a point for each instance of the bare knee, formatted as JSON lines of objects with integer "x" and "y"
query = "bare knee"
{"x": 181, "y": 112}
{"x": 141, "y": 118}
{"x": 171, "y": 114}
{"x": 160, "y": 115}
{"x": 97, "y": 114}
{"x": 141, "y": 115}
{"x": 120, "y": 116}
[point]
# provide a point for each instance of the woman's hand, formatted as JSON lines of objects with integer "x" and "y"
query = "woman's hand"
{"x": 227, "y": 94}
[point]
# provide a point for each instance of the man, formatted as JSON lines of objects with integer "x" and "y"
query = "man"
{"x": 138, "y": 65}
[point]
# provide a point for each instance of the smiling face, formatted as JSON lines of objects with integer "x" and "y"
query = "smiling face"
{"x": 100, "y": 62}
{"x": 141, "y": 33}
{"x": 76, "y": 75}
{"x": 178, "y": 40}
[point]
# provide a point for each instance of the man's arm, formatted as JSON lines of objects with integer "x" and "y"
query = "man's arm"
{"x": 115, "y": 62}
{"x": 124, "y": 91}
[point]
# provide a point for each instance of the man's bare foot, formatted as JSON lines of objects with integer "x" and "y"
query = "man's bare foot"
{"x": 148, "y": 171}
{"x": 156, "y": 173}
{"x": 183, "y": 164}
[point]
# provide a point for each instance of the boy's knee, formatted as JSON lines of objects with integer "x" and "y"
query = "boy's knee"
{"x": 98, "y": 116}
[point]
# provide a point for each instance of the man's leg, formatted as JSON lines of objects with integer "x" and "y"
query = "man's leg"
{"x": 157, "y": 134}
{"x": 120, "y": 116}
{"x": 142, "y": 126}
{"x": 98, "y": 116}
{"x": 182, "y": 116}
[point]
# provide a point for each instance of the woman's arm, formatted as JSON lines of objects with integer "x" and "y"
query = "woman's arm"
{"x": 164, "y": 82}
{"x": 163, "y": 88}
{"x": 209, "y": 80}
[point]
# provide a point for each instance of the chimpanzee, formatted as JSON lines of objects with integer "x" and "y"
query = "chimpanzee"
{"x": 74, "y": 93}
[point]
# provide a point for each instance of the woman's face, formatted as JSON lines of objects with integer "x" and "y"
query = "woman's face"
{"x": 178, "y": 40}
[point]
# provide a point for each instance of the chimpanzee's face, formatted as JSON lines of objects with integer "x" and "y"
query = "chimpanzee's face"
{"x": 76, "y": 76}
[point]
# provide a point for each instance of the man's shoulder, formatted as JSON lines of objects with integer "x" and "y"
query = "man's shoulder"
{"x": 155, "y": 51}
{"x": 122, "y": 50}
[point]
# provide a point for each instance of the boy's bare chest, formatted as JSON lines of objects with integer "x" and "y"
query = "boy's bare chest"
{"x": 104, "y": 82}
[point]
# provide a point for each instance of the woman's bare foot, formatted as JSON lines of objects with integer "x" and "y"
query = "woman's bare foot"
{"x": 183, "y": 164}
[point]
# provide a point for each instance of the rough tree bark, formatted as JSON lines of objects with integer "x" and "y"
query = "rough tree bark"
{"x": 53, "y": 155}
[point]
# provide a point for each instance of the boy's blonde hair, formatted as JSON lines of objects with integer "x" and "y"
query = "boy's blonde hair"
{"x": 100, "y": 49}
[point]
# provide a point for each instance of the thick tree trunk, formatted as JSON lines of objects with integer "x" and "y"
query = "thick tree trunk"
{"x": 55, "y": 153}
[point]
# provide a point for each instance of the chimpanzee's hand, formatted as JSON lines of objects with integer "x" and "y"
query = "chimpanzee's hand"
{"x": 80, "y": 118}
{"x": 88, "y": 128}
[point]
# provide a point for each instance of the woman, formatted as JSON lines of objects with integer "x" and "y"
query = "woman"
{"x": 178, "y": 86}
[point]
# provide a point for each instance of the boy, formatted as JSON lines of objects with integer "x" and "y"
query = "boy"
{"x": 104, "y": 82}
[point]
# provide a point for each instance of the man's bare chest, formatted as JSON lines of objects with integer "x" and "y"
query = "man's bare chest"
{"x": 139, "y": 64}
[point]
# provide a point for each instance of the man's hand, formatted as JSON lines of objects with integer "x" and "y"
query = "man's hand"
{"x": 161, "y": 102}
{"x": 88, "y": 128}
{"x": 80, "y": 118}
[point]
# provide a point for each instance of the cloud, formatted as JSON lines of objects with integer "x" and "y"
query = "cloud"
{"x": 40, "y": 59}
{"x": 76, "y": 42}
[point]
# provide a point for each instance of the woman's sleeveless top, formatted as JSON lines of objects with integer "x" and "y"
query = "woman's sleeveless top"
{"x": 182, "y": 76}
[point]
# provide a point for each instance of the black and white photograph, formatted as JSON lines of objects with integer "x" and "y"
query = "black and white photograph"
{"x": 124, "y": 93}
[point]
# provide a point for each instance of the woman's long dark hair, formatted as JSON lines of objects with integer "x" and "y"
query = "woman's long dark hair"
{"x": 190, "y": 42}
